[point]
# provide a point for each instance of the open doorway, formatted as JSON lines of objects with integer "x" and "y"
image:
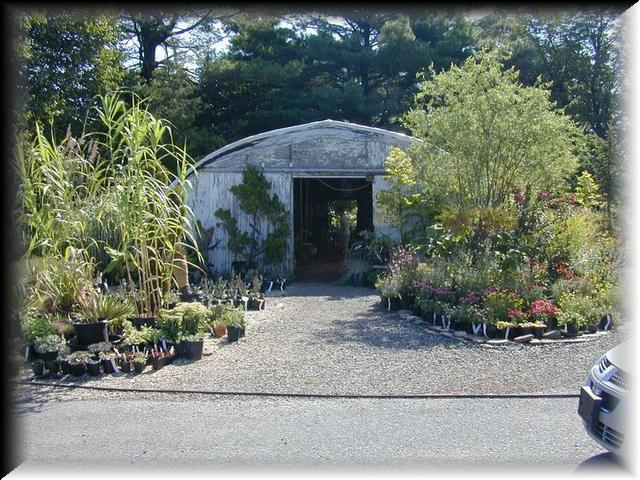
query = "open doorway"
{"x": 327, "y": 214}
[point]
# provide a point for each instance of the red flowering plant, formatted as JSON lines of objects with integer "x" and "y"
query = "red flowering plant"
{"x": 541, "y": 310}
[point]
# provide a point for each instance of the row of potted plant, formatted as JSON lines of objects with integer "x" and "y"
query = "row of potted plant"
{"x": 176, "y": 332}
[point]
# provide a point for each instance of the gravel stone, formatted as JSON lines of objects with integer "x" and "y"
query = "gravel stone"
{"x": 404, "y": 313}
{"x": 319, "y": 338}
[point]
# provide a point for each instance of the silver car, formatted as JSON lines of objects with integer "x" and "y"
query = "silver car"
{"x": 605, "y": 407}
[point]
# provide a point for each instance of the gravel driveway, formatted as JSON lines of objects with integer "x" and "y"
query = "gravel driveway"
{"x": 319, "y": 338}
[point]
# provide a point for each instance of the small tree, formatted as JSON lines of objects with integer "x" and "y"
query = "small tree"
{"x": 255, "y": 200}
{"x": 484, "y": 132}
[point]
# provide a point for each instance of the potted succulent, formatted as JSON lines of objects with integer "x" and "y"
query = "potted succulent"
{"x": 239, "y": 292}
{"x": 219, "y": 291}
{"x": 233, "y": 319}
{"x": 217, "y": 324}
{"x": 77, "y": 363}
{"x": 139, "y": 362}
{"x": 91, "y": 327}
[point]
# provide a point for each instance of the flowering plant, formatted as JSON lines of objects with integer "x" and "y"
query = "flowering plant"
{"x": 541, "y": 310}
{"x": 516, "y": 315}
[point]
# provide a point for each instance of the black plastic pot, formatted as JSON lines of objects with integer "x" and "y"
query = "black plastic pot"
{"x": 391, "y": 304}
{"x": 233, "y": 333}
{"x": 603, "y": 324}
{"x": 88, "y": 333}
{"x": 77, "y": 369}
{"x": 158, "y": 363}
{"x": 138, "y": 367}
{"x": 93, "y": 369}
{"x": 64, "y": 367}
{"x": 107, "y": 366}
{"x": 192, "y": 350}
{"x": 140, "y": 322}
{"x": 538, "y": 332}
{"x": 125, "y": 366}
{"x": 551, "y": 323}
{"x": 47, "y": 356}
{"x": 572, "y": 330}
{"x": 37, "y": 368}
{"x": 407, "y": 302}
{"x": 256, "y": 304}
{"x": 592, "y": 328}
{"x": 523, "y": 331}
{"x": 491, "y": 331}
{"x": 52, "y": 367}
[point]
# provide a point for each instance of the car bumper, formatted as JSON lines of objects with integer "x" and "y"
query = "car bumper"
{"x": 603, "y": 410}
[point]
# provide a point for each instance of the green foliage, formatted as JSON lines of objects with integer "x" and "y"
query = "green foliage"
{"x": 499, "y": 303}
{"x": 64, "y": 60}
{"x": 49, "y": 343}
{"x": 255, "y": 200}
{"x": 232, "y": 317}
{"x": 135, "y": 336}
{"x": 194, "y": 318}
{"x": 587, "y": 191}
{"x": 484, "y": 132}
{"x": 36, "y": 326}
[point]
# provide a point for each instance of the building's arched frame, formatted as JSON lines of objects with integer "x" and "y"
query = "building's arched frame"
{"x": 321, "y": 149}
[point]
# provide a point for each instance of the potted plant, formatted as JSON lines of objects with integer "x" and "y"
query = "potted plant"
{"x": 217, "y": 324}
{"x": 157, "y": 359}
{"x": 108, "y": 362}
{"x": 77, "y": 363}
{"x": 390, "y": 291}
{"x": 89, "y": 327}
{"x": 170, "y": 325}
{"x": 63, "y": 360}
{"x": 125, "y": 362}
{"x": 137, "y": 339}
{"x": 195, "y": 321}
{"x": 192, "y": 346}
{"x": 506, "y": 330}
{"x": 139, "y": 362}
{"x": 37, "y": 366}
{"x": 256, "y": 297}
{"x": 98, "y": 348}
{"x": 543, "y": 314}
{"x": 233, "y": 319}
{"x": 93, "y": 366}
{"x": 219, "y": 291}
{"x": 572, "y": 321}
{"x": 48, "y": 347}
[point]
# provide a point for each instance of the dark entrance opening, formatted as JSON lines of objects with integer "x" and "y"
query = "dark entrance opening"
{"x": 324, "y": 210}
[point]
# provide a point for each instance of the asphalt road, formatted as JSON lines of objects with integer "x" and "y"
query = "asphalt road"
{"x": 482, "y": 435}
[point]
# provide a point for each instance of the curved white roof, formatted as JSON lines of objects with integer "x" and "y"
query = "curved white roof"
{"x": 301, "y": 132}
